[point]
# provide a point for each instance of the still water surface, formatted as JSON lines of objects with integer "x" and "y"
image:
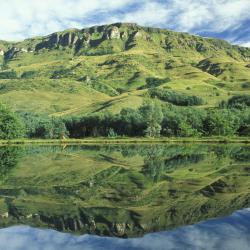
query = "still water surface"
{"x": 158, "y": 196}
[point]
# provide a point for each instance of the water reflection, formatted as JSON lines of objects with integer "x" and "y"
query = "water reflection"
{"x": 121, "y": 190}
{"x": 229, "y": 233}
{"x": 8, "y": 160}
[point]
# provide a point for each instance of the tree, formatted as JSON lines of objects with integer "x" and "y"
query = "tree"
{"x": 112, "y": 133}
{"x": 152, "y": 114}
{"x": 43, "y": 126}
{"x": 11, "y": 126}
{"x": 221, "y": 122}
{"x": 58, "y": 130}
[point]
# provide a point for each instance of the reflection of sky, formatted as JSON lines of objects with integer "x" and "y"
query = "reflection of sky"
{"x": 229, "y": 233}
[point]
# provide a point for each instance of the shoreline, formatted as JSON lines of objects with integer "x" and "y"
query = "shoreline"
{"x": 135, "y": 140}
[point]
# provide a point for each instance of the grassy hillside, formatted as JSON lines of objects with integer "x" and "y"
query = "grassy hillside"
{"x": 111, "y": 67}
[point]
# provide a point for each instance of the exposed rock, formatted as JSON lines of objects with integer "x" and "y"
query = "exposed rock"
{"x": 119, "y": 228}
{"x": 86, "y": 37}
{"x": 4, "y": 215}
{"x": 115, "y": 33}
{"x": 141, "y": 34}
{"x": 1, "y": 52}
{"x": 112, "y": 33}
{"x": 11, "y": 52}
{"x": 54, "y": 38}
{"x": 65, "y": 40}
{"x": 124, "y": 35}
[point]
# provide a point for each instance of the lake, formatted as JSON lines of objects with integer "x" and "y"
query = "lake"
{"x": 125, "y": 196}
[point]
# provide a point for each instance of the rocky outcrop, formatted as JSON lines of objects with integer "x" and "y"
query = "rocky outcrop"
{"x": 11, "y": 52}
{"x": 111, "y": 33}
{"x": 114, "y": 33}
{"x": 124, "y": 35}
{"x": 4, "y": 215}
{"x": 56, "y": 39}
{"x": 141, "y": 34}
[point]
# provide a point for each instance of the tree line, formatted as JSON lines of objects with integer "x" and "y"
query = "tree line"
{"x": 152, "y": 119}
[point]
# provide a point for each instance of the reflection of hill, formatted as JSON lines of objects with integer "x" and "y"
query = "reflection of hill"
{"x": 124, "y": 190}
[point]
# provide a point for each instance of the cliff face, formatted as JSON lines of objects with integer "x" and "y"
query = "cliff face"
{"x": 128, "y": 34}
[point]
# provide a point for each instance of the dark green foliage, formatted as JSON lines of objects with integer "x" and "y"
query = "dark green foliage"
{"x": 112, "y": 133}
{"x": 221, "y": 122}
{"x": 182, "y": 122}
{"x": 29, "y": 74}
{"x": 245, "y": 85}
{"x": 8, "y": 160}
{"x": 152, "y": 115}
{"x": 42, "y": 126}
{"x": 8, "y": 75}
{"x": 11, "y": 126}
{"x": 239, "y": 101}
{"x": 175, "y": 97}
{"x": 60, "y": 73}
{"x": 244, "y": 117}
{"x": 153, "y": 82}
{"x": 153, "y": 120}
{"x": 128, "y": 122}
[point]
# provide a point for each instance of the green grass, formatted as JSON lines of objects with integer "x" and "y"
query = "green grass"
{"x": 107, "y": 74}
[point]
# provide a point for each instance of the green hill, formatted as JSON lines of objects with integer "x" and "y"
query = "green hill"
{"x": 110, "y": 67}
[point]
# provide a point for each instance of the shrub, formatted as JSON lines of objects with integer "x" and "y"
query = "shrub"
{"x": 8, "y": 75}
{"x": 11, "y": 126}
{"x": 239, "y": 101}
{"x": 175, "y": 98}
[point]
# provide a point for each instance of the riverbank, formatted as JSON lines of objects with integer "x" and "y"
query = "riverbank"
{"x": 104, "y": 140}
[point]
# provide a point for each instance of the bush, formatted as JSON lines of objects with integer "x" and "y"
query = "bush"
{"x": 8, "y": 75}
{"x": 43, "y": 126}
{"x": 28, "y": 74}
{"x": 221, "y": 122}
{"x": 11, "y": 126}
{"x": 175, "y": 98}
{"x": 239, "y": 101}
{"x": 155, "y": 82}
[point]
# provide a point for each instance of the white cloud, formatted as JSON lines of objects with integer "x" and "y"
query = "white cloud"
{"x": 24, "y": 18}
{"x": 209, "y": 15}
{"x": 245, "y": 44}
{"x": 227, "y": 233}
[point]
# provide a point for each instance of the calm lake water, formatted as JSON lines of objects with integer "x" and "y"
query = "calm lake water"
{"x": 158, "y": 196}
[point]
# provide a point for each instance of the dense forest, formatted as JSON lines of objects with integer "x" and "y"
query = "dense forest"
{"x": 152, "y": 119}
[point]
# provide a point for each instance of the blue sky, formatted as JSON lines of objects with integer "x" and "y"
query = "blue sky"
{"x": 226, "y": 19}
{"x": 228, "y": 233}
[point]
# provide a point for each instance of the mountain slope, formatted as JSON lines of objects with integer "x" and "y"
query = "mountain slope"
{"x": 80, "y": 71}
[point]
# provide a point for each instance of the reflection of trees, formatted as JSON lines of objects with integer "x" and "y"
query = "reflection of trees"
{"x": 241, "y": 154}
{"x": 154, "y": 162}
{"x": 154, "y": 168}
{"x": 8, "y": 160}
{"x": 159, "y": 159}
